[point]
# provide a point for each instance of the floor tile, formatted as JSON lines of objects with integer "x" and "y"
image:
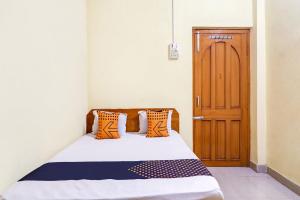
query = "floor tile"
{"x": 241, "y": 183}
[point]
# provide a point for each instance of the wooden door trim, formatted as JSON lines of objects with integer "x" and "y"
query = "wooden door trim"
{"x": 245, "y": 30}
{"x": 221, "y": 28}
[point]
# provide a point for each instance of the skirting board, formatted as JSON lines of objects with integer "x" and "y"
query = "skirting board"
{"x": 258, "y": 168}
{"x": 281, "y": 179}
{"x": 284, "y": 181}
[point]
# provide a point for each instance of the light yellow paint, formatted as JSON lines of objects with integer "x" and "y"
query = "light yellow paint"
{"x": 42, "y": 82}
{"x": 283, "y": 83}
{"x": 253, "y": 87}
{"x": 258, "y": 84}
{"x": 128, "y": 60}
{"x": 261, "y": 83}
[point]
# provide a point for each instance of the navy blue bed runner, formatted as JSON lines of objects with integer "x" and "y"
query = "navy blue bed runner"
{"x": 118, "y": 170}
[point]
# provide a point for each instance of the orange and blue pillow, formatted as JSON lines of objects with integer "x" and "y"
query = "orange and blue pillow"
{"x": 157, "y": 123}
{"x": 108, "y": 125}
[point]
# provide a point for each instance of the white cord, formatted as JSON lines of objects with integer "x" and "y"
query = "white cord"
{"x": 173, "y": 23}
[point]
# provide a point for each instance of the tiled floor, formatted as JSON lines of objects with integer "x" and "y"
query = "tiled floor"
{"x": 238, "y": 183}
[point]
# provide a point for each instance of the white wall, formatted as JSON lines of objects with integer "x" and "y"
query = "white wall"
{"x": 43, "y": 94}
{"x": 283, "y": 83}
{"x": 128, "y": 60}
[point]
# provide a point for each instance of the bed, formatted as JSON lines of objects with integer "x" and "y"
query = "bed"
{"x": 133, "y": 149}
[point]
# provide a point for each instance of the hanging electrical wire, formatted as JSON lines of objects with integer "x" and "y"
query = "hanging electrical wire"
{"x": 173, "y": 23}
{"x": 173, "y": 47}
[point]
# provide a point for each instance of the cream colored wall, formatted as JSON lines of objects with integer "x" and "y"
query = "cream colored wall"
{"x": 283, "y": 83}
{"x": 128, "y": 60}
{"x": 258, "y": 84}
{"x": 253, "y": 87}
{"x": 42, "y": 81}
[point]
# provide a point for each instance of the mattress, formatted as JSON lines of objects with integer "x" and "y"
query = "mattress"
{"x": 131, "y": 147}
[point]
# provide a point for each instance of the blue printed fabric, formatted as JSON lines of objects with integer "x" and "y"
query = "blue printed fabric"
{"x": 118, "y": 170}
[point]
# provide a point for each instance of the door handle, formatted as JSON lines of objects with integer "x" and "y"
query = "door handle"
{"x": 197, "y": 101}
{"x": 198, "y": 118}
{"x": 198, "y": 41}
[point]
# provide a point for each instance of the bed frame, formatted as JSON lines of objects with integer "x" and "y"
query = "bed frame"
{"x": 132, "y": 124}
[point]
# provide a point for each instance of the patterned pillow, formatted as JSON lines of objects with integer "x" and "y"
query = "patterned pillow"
{"x": 157, "y": 123}
{"x": 108, "y": 125}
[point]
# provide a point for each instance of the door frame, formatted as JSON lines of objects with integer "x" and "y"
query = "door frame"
{"x": 235, "y": 30}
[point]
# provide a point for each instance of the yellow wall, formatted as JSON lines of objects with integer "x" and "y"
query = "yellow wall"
{"x": 258, "y": 84}
{"x": 128, "y": 60}
{"x": 283, "y": 83}
{"x": 253, "y": 86}
{"x": 42, "y": 81}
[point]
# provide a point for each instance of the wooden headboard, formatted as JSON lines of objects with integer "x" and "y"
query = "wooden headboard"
{"x": 132, "y": 124}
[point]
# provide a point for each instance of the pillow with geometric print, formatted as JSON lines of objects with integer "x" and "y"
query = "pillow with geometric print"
{"x": 143, "y": 121}
{"x": 157, "y": 123}
{"x": 108, "y": 126}
{"x": 121, "y": 122}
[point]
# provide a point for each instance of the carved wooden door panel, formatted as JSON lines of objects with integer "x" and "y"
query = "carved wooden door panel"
{"x": 221, "y": 97}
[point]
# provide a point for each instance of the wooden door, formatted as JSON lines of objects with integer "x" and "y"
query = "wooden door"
{"x": 221, "y": 96}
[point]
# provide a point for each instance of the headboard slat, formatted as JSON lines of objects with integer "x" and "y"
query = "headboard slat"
{"x": 132, "y": 118}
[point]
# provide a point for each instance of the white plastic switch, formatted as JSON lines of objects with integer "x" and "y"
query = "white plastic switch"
{"x": 173, "y": 51}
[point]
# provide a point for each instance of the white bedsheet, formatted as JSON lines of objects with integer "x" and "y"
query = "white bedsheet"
{"x": 131, "y": 147}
